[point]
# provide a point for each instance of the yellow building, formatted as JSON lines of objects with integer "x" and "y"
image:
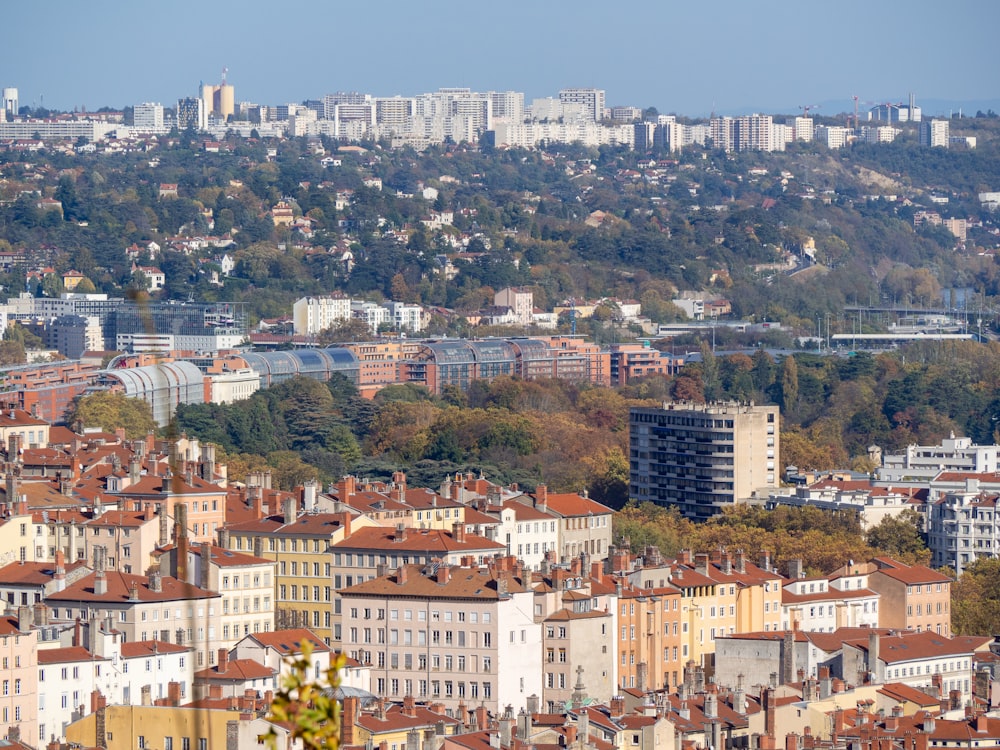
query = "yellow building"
{"x": 722, "y": 595}
{"x": 163, "y": 727}
{"x": 392, "y": 724}
{"x": 300, "y": 545}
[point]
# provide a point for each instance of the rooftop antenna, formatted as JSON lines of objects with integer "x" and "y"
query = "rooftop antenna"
{"x": 225, "y": 70}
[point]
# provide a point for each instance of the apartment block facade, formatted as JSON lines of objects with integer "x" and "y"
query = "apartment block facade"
{"x": 702, "y": 457}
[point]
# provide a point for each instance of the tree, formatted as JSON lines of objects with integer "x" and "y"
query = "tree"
{"x": 307, "y": 704}
{"x": 109, "y": 411}
{"x": 900, "y": 538}
{"x": 789, "y": 384}
{"x": 975, "y": 598}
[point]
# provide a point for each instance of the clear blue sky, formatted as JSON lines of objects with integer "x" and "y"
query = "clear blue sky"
{"x": 685, "y": 57}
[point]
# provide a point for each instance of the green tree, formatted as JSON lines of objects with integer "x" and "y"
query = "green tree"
{"x": 975, "y": 598}
{"x": 109, "y": 411}
{"x": 789, "y": 384}
{"x": 900, "y": 538}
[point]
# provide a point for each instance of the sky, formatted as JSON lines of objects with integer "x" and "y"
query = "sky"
{"x": 689, "y": 58}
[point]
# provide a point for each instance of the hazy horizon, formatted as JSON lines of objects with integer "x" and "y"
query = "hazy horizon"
{"x": 766, "y": 56}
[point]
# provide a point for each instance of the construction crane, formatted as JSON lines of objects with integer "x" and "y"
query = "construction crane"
{"x": 806, "y": 107}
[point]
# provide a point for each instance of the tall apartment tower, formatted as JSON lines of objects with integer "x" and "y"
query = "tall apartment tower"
{"x": 10, "y": 104}
{"x": 591, "y": 99}
{"x": 191, "y": 114}
{"x": 148, "y": 118}
{"x": 700, "y": 458}
{"x": 934, "y": 133}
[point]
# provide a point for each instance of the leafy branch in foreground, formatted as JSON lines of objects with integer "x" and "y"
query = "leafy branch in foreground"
{"x": 309, "y": 706}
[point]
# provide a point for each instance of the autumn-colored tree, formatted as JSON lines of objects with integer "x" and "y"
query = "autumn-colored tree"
{"x": 648, "y": 524}
{"x": 899, "y": 537}
{"x": 975, "y": 598}
{"x": 109, "y": 411}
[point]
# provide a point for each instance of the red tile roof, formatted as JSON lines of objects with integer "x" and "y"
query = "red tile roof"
{"x": 119, "y": 586}
{"x": 139, "y": 649}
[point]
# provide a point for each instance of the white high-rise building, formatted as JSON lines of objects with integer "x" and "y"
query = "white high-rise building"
{"x": 591, "y": 99}
{"x": 191, "y": 114}
{"x": 803, "y": 128}
{"x": 934, "y": 133}
{"x": 310, "y": 315}
{"x": 10, "y": 105}
{"x": 148, "y": 118}
{"x": 507, "y": 105}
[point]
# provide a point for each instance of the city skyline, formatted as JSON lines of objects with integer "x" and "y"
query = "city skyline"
{"x": 731, "y": 61}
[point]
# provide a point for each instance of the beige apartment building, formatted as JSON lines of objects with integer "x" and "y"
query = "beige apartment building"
{"x": 458, "y": 635}
{"x": 701, "y": 457}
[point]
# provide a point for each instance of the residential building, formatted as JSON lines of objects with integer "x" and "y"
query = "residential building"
{"x": 19, "y": 678}
{"x": 386, "y": 725}
{"x": 301, "y": 546}
{"x": 366, "y": 551}
{"x": 591, "y": 100}
{"x": 276, "y": 650}
{"x": 815, "y": 604}
{"x": 702, "y": 457}
{"x": 913, "y": 597}
{"x": 963, "y": 527}
{"x": 583, "y": 525}
{"x": 574, "y": 627}
{"x": 934, "y": 133}
{"x": 245, "y": 582}
{"x": 148, "y": 118}
{"x": 924, "y": 462}
{"x": 521, "y": 301}
{"x": 192, "y": 114}
{"x": 144, "y": 606}
{"x": 458, "y": 635}
{"x": 926, "y": 661}
{"x": 649, "y": 638}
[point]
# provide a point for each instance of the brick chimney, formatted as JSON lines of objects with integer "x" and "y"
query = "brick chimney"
{"x": 542, "y": 498}
{"x": 617, "y": 705}
{"x": 348, "y": 721}
{"x": 458, "y": 532}
{"x": 223, "y": 665}
{"x": 206, "y": 560}
{"x": 443, "y": 573}
{"x": 409, "y": 706}
{"x": 174, "y": 693}
{"x": 401, "y": 575}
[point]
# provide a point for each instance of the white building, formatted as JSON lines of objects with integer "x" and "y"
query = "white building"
{"x": 935, "y": 133}
{"x": 148, "y": 118}
{"x": 924, "y": 462}
{"x": 963, "y": 526}
{"x": 833, "y": 136}
{"x": 234, "y": 385}
{"x": 521, "y": 301}
{"x": 8, "y": 104}
{"x": 372, "y": 313}
{"x": 93, "y": 656}
{"x": 529, "y": 533}
{"x": 310, "y": 315}
{"x": 816, "y": 605}
{"x": 592, "y": 101}
{"x": 191, "y": 114}
{"x": 803, "y": 127}
{"x": 407, "y": 317}
{"x": 458, "y": 635}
